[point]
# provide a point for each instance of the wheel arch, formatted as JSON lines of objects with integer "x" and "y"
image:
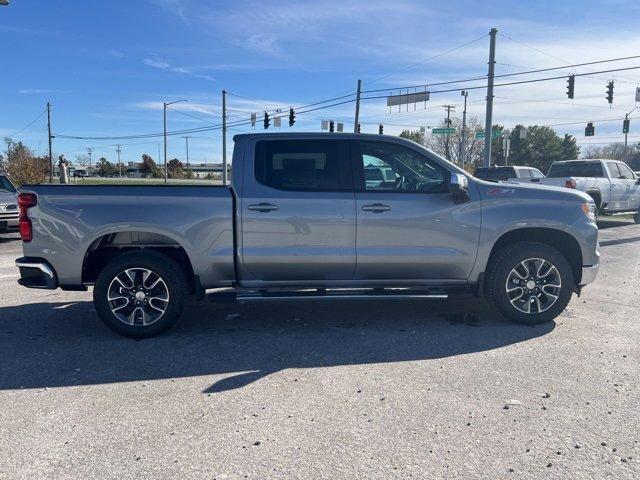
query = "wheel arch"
{"x": 562, "y": 241}
{"x": 107, "y": 246}
{"x": 596, "y": 194}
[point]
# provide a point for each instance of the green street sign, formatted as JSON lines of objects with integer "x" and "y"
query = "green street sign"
{"x": 494, "y": 134}
{"x": 442, "y": 131}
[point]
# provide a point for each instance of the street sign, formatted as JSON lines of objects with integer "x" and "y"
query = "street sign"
{"x": 494, "y": 134}
{"x": 443, "y": 131}
{"x": 407, "y": 98}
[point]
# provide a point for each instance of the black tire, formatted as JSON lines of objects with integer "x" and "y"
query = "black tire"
{"x": 501, "y": 271}
{"x": 173, "y": 286}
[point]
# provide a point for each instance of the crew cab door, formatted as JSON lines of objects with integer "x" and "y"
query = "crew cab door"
{"x": 618, "y": 186}
{"x": 410, "y": 229}
{"x": 297, "y": 212}
{"x": 631, "y": 194}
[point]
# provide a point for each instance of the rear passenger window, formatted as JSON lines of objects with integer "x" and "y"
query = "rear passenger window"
{"x": 304, "y": 165}
{"x": 613, "y": 170}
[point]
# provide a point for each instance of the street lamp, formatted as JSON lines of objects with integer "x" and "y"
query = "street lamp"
{"x": 165, "y": 105}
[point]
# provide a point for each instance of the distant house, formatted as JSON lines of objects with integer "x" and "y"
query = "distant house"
{"x": 199, "y": 170}
{"x": 206, "y": 170}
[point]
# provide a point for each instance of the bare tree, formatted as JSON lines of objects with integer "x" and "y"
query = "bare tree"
{"x": 82, "y": 159}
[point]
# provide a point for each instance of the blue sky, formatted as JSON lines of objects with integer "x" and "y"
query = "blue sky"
{"x": 107, "y": 66}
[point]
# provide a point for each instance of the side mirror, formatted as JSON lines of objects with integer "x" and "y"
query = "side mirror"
{"x": 458, "y": 183}
{"x": 459, "y": 187}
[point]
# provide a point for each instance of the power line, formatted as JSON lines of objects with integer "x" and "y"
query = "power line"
{"x": 189, "y": 115}
{"x": 527, "y": 72}
{"x": 203, "y": 129}
{"x": 537, "y": 49}
{"x": 429, "y": 59}
{"x": 511, "y": 83}
{"x": 29, "y": 124}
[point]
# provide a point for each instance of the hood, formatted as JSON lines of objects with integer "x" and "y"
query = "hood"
{"x": 531, "y": 191}
{"x": 8, "y": 197}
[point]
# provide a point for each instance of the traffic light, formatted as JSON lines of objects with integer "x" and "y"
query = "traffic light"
{"x": 267, "y": 122}
{"x": 571, "y": 82}
{"x": 292, "y": 117}
{"x": 380, "y": 129}
{"x": 625, "y": 125}
{"x": 609, "y": 96}
{"x": 358, "y": 128}
{"x": 331, "y": 125}
{"x": 589, "y": 131}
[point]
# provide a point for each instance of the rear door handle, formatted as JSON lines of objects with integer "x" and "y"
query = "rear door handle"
{"x": 376, "y": 208}
{"x": 263, "y": 207}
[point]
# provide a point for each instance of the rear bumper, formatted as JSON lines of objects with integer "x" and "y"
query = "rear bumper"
{"x": 589, "y": 274}
{"x": 36, "y": 273}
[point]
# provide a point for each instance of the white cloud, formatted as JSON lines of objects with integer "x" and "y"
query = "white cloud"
{"x": 40, "y": 91}
{"x": 164, "y": 65}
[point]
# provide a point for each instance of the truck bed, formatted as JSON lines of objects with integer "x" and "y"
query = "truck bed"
{"x": 69, "y": 220}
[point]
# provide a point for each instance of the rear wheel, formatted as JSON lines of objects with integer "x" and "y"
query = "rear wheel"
{"x": 530, "y": 283}
{"x": 140, "y": 294}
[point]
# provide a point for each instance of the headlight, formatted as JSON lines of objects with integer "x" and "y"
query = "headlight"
{"x": 589, "y": 209}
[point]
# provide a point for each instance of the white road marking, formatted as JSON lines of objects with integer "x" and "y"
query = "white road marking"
{"x": 13, "y": 275}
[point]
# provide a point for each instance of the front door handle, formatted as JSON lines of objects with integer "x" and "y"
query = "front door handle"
{"x": 376, "y": 208}
{"x": 263, "y": 207}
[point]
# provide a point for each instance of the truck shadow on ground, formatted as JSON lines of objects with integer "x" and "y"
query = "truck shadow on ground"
{"x": 62, "y": 344}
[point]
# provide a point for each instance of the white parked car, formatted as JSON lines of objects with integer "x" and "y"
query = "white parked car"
{"x": 9, "y": 211}
{"x": 614, "y": 187}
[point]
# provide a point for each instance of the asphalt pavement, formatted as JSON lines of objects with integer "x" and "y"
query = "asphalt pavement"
{"x": 398, "y": 389}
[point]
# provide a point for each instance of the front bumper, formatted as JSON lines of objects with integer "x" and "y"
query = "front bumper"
{"x": 8, "y": 221}
{"x": 589, "y": 274}
{"x": 36, "y": 273}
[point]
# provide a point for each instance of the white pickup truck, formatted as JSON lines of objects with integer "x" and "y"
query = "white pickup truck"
{"x": 614, "y": 187}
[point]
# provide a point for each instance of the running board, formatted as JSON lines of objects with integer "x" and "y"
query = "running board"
{"x": 323, "y": 294}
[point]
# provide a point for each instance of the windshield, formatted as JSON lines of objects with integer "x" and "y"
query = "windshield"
{"x": 576, "y": 169}
{"x": 6, "y": 185}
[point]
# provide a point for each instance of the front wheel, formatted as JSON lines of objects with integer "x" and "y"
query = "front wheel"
{"x": 140, "y": 294}
{"x": 530, "y": 283}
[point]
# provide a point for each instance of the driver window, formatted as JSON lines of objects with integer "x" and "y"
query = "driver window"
{"x": 625, "y": 172}
{"x": 390, "y": 167}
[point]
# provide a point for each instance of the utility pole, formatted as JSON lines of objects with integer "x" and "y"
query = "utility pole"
{"x": 463, "y": 138}
{"x": 488, "y": 137}
{"x": 118, "y": 149}
{"x": 186, "y": 141}
{"x": 165, "y": 140}
{"x": 165, "y": 105}
{"x": 224, "y": 137}
{"x": 357, "y": 120}
{"x": 626, "y": 132}
{"x": 448, "y": 121}
{"x": 90, "y": 151}
{"x": 50, "y": 152}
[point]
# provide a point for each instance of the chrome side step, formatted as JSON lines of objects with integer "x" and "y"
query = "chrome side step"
{"x": 327, "y": 294}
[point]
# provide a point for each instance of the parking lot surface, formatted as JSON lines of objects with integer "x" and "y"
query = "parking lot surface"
{"x": 402, "y": 389}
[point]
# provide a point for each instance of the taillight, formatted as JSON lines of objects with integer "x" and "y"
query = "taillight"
{"x": 570, "y": 183}
{"x": 25, "y": 202}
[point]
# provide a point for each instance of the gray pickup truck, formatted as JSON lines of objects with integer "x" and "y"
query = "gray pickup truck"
{"x": 300, "y": 222}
